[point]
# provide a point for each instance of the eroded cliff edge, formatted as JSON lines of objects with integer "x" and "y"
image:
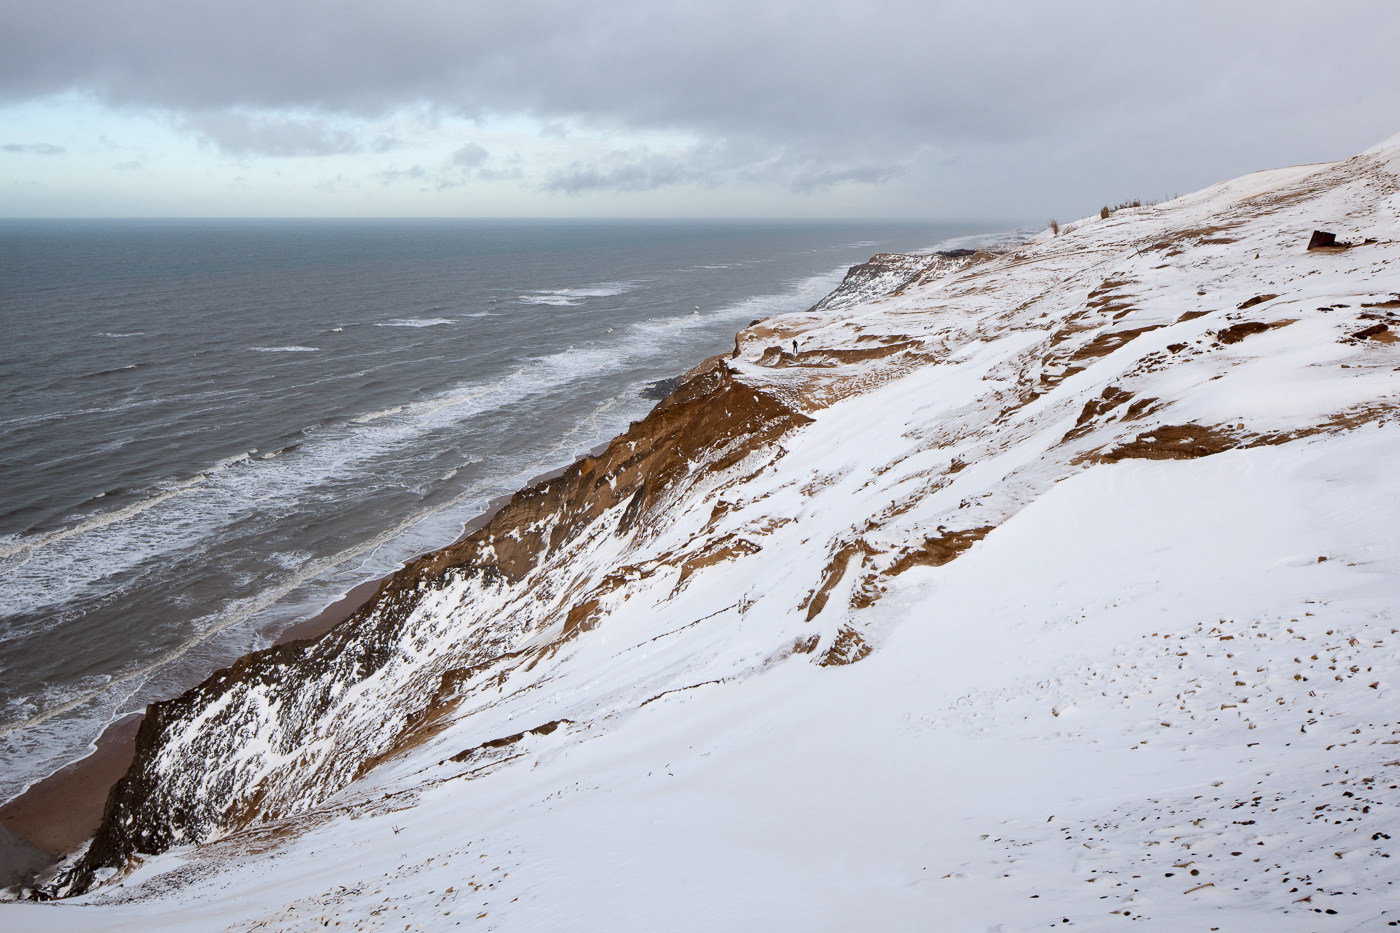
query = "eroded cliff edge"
{"x": 283, "y": 728}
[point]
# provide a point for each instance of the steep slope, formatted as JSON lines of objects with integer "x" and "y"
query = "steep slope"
{"x": 283, "y": 728}
{"x": 1055, "y": 584}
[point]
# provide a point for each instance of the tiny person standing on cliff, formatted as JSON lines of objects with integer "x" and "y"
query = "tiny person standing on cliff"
{"x": 794, "y": 348}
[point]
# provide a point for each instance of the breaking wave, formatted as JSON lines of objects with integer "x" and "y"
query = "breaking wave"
{"x": 567, "y": 297}
{"x": 415, "y": 322}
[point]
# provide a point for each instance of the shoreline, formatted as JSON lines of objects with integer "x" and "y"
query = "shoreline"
{"x": 62, "y": 811}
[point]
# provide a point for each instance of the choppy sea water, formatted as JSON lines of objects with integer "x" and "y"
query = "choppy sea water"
{"x": 213, "y": 429}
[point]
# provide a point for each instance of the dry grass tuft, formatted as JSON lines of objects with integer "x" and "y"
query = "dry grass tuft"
{"x": 1105, "y": 212}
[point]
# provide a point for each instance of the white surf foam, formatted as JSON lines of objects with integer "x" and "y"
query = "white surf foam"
{"x": 415, "y": 322}
{"x": 574, "y": 296}
{"x": 375, "y": 415}
{"x": 18, "y": 544}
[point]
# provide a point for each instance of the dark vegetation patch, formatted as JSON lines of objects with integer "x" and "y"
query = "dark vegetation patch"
{"x": 1237, "y": 332}
{"x": 1378, "y": 332}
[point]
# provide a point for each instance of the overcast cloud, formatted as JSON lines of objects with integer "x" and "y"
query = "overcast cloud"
{"x": 36, "y": 148}
{"x": 956, "y": 104}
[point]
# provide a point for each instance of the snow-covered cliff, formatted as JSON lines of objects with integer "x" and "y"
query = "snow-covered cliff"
{"x": 1051, "y": 585}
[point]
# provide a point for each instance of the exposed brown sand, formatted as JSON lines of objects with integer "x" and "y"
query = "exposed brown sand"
{"x": 61, "y": 812}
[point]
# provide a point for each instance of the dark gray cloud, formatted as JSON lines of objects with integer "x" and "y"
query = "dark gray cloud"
{"x": 47, "y": 149}
{"x": 976, "y": 98}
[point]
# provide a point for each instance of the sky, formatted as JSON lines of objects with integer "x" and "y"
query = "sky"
{"x": 722, "y": 108}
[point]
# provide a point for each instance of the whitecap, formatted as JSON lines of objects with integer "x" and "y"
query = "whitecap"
{"x": 548, "y": 300}
{"x": 118, "y": 369}
{"x": 284, "y": 349}
{"x": 415, "y": 322}
{"x": 573, "y": 296}
{"x": 137, "y": 334}
{"x": 227, "y": 462}
{"x": 376, "y": 414}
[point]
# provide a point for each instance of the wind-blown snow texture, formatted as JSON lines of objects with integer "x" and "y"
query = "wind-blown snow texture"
{"x": 1054, "y": 587}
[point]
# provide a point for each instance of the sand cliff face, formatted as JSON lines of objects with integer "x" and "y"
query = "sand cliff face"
{"x": 284, "y": 728}
{"x": 777, "y": 504}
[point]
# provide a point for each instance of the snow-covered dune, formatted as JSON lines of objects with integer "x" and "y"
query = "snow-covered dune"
{"x": 1042, "y": 587}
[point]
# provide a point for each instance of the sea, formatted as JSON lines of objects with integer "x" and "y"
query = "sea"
{"x": 212, "y": 429}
